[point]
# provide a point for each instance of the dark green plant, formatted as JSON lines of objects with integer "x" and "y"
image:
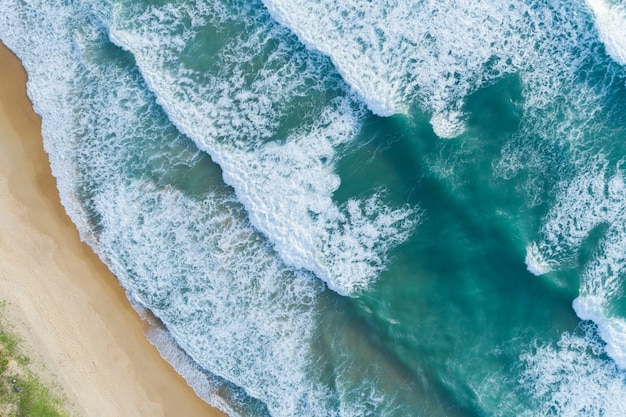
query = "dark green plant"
{"x": 25, "y": 394}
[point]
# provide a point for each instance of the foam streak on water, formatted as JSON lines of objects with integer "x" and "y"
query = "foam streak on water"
{"x": 389, "y": 50}
{"x": 285, "y": 181}
{"x": 572, "y": 379}
{"x": 591, "y": 200}
{"x": 610, "y": 20}
{"x": 398, "y": 54}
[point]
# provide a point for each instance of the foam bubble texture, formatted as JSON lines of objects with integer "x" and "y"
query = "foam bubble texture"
{"x": 610, "y": 20}
{"x": 342, "y": 245}
{"x": 390, "y": 52}
{"x": 579, "y": 208}
{"x": 283, "y": 176}
{"x": 447, "y": 126}
{"x": 234, "y": 310}
{"x": 590, "y": 200}
{"x": 566, "y": 85}
{"x": 611, "y": 329}
{"x": 397, "y": 54}
{"x": 572, "y": 378}
{"x": 204, "y": 384}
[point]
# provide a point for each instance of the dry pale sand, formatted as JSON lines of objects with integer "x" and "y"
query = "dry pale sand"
{"x": 73, "y": 316}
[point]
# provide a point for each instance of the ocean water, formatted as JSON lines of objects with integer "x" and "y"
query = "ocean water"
{"x": 392, "y": 208}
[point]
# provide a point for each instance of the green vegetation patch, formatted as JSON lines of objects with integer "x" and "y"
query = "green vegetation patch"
{"x": 22, "y": 394}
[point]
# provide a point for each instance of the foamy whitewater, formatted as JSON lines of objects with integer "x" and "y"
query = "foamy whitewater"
{"x": 351, "y": 209}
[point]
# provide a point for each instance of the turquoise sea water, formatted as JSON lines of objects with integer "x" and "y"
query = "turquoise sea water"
{"x": 352, "y": 208}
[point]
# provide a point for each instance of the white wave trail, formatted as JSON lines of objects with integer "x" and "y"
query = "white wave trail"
{"x": 591, "y": 200}
{"x": 572, "y": 379}
{"x": 611, "y": 329}
{"x": 398, "y": 54}
{"x": 392, "y": 50}
{"x": 285, "y": 181}
{"x": 610, "y": 21}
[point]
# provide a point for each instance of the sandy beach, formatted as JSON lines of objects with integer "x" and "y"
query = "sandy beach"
{"x": 76, "y": 322}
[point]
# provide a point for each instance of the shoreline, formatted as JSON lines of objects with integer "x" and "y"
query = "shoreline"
{"x": 75, "y": 320}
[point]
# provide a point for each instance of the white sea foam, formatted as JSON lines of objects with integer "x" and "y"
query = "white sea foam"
{"x": 286, "y": 182}
{"x": 572, "y": 379}
{"x": 397, "y": 54}
{"x": 394, "y": 52}
{"x": 610, "y": 21}
{"x": 535, "y": 262}
{"x": 204, "y": 384}
{"x": 592, "y": 199}
{"x": 611, "y": 329}
{"x": 234, "y": 309}
{"x": 564, "y": 96}
{"x": 448, "y": 125}
{"x": 341, "y": 245}
{"x": 580, "y": 207}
